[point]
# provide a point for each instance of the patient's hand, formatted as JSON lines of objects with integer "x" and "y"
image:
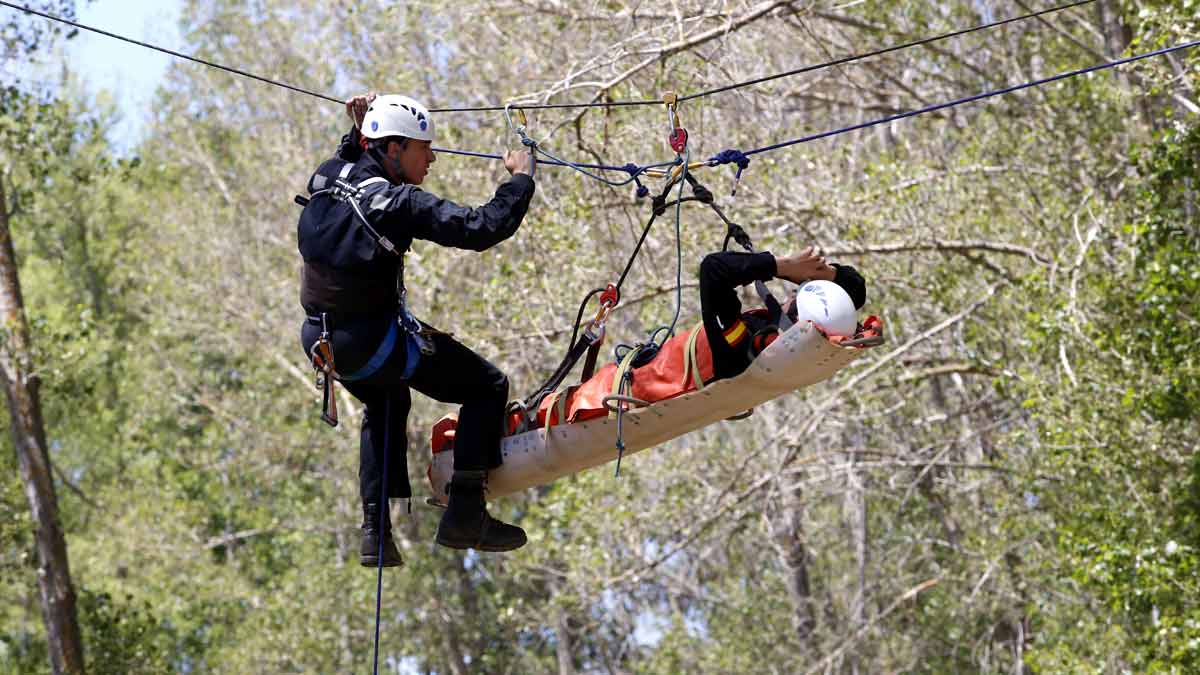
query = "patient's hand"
{"x": 803, "y": 266}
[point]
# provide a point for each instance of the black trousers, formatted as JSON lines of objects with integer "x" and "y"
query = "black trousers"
{"x": 454, "y": 374}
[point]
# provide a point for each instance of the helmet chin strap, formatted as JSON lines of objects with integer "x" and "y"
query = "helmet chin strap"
{"x": 390, "y": 165}
{"x": 397, "y": 170}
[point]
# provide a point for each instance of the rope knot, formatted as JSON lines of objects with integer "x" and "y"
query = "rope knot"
{"x": 731, "y": 156}
{"x": 634, "y": 171}
{"x": 658, "y": 204}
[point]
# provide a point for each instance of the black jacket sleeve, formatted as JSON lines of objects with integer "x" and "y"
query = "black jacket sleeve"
{"x": 720, "y": 276}
{"x": 412, "y": 212}
{"x": 350, "y": 149}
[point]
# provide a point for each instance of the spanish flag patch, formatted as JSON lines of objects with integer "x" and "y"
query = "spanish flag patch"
{"x": 735, "y": 333}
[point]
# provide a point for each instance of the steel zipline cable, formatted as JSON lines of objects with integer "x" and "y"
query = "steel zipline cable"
{"x": 727, "y": 156}
{"x": 977, "y": 97}
{"x": 886, "y": 50}
{"x": 596, "y": 104}
{"x": 164, "y": 50}
{"x": 633, "y": 170}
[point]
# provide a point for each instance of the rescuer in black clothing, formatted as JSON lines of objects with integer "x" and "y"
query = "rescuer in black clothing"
{"x": 735, "y": 337}
{"x": 352, "y": 293}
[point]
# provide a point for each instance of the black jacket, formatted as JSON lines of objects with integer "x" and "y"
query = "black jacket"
{"x": 720, "y": 276}
{"x": 346, "y": 271}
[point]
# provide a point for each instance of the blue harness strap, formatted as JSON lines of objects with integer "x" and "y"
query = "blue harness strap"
{"x": 412, "y": 356}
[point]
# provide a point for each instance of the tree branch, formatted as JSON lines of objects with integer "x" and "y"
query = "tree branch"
{"x": 948, "y": 245}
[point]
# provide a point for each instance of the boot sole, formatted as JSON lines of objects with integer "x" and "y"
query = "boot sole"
{"x": 374, "y": 562}
{"x": 462, "y": 546}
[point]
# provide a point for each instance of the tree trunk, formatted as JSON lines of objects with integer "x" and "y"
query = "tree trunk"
{"x": 562, "y": 644}
{"x": 29, "y": 439}
{"x": 786, "y": 521}
{"x": 856, "y": 514}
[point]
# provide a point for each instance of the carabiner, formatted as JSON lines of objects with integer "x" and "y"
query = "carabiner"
{"x": 518, "y": 129}
{"x": 679, "y": 136}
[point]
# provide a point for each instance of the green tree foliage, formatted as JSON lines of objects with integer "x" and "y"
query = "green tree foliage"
{"x": 22, "y": 33}
{"x": 1009, "y": 486}
{"x": 75, "y": 227}
{"x": 1126, "y": 437}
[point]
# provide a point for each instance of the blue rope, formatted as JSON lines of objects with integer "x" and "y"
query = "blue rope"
{"x": 642, "y": 190}
{"x": 633, "y": 173}
{"x": 976, "y": 97}
{"x": 634, "y": 170}
{"x": 383, "y": 514}
{"x": 731, "y": 157}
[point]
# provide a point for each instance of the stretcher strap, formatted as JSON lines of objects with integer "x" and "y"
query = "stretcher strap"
{"x": 555, "y": 398}
{"x": 623, "y": 369}
{"x": 692, "y": 364}
{"x": 560, "y": 405}
{"x": 589, "y": 363}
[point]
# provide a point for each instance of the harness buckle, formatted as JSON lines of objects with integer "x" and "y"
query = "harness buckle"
{"x": 594, "y": 332}
{"x": 410, "y": 325}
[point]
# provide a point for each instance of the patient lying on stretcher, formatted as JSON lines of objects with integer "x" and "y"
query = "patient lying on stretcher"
{"x": 722, "y": 345}
{"x": 727, "y": 339}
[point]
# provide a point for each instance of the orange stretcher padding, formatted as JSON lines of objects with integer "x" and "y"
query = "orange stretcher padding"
{"x": 665, "y": 377}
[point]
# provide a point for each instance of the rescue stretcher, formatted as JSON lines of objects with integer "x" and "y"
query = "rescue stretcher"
{"x": 800, "y": 357}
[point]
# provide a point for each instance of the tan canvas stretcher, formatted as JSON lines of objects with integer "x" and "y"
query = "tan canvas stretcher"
{"x": 800, "y": 357}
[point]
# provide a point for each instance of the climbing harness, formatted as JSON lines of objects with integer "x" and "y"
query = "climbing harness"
{"x": 416, "y": 337}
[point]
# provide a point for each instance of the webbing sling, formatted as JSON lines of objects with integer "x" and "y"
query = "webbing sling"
{"x": 692, "y": 364}
{"x": 412, "y": 356}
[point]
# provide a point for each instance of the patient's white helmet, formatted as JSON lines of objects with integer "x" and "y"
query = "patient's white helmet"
{"x": 827, "y": 306}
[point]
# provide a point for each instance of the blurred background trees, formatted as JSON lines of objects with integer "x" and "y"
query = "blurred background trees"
{"x": 1010, "y": 485}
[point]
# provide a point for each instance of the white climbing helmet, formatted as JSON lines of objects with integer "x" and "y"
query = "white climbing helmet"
{"x": 827, "y": 306}
{"x": 395, "y": 115}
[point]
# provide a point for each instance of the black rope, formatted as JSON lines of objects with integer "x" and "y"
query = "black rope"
{"x": 548, "y": 106}
{"x": 164, "y": 50}
{"x": 886, "y": 50}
